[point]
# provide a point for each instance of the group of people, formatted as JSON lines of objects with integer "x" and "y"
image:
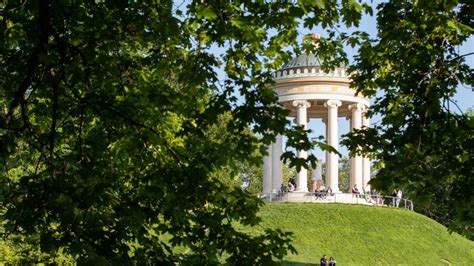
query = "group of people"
{"x": 375, "y": 197}
{"x": 322, "y": 188}
{"x": 368, "y": 196}
{"x": 322, "y": 192}
{"x": 325, "y": 262}
{"x": 356, "y": 193}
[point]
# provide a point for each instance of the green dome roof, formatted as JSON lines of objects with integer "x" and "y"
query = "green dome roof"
{"x": 304, "y": 60}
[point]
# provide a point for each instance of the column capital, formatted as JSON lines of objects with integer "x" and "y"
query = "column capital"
{"x": 357, "y": 107}
{"x": 366, "y": 109}
{"x": 332, "y": 103}
{"x": 301, "y": 103}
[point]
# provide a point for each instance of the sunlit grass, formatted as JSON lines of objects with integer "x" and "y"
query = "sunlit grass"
{"x": 356, "y": 234}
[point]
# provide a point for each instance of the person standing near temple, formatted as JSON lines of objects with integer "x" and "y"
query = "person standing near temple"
{"x": 394, "y": 197}
{"x": 399, "y": 197}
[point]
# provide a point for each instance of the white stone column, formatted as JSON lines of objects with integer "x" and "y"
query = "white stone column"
{"x": 316, "y": 175}
{"x": 267, "y": 171}
{"x": 356, "y": 161}
{"x": 301, "y": 119}
{"x": 365, "y": 160}
{"x": 333, "y": 139}
{"x": 276, "y": 163}
{"x": 325, "y": 121}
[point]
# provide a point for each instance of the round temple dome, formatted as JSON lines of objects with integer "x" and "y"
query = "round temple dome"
{"x": 309, "y": 92}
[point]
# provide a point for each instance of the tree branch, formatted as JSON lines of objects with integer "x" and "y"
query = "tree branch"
{"x": 52, "y": 134}
{"x": 44, "y": 26}
{"x": 461, "y": 56}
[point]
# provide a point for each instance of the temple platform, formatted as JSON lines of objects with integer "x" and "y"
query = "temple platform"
{"x": 346, "y": 198}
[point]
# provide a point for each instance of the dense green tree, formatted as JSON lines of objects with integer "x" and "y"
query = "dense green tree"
{"x": 344, "y": 174}
{"x": 244, "y": 173}
{"x": 422, "y": 144}
{"x": 107, "y": 113}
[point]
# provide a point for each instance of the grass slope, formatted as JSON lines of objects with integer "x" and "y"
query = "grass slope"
{"x": 365, "y": 235}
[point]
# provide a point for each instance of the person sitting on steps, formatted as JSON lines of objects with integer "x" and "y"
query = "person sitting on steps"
{"x": 329, "y": 191}
{"x": 291, "y": 187}
{"x": 322, "y": 188}
{"x": 321, "y": 193}
{"x": 355, "y": 191}
{"x": 283, "y": 190}
{"x": 366, "y": 196}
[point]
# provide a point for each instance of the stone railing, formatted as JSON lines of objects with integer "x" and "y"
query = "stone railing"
{"x": 307, "y": 71}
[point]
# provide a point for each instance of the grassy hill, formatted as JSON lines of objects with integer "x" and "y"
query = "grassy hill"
{"x": 365, "y": 235}
{"x": 353, "y": 234}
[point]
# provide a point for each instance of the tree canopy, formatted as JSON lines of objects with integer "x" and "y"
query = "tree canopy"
{"x": 115, "y": 124}
{"x": 108, "y": 110}
{"x": 423, "y": 143}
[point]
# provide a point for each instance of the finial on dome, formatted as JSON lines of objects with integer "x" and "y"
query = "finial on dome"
{"x": 316, "y": 37}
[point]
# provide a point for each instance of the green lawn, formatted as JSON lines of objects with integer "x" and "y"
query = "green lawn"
{"x": 365, "y": 235}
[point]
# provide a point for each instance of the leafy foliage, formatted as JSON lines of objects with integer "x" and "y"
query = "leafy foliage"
{"x": 344, "y": 174}
{"x": 108, "y": 109}
{"x": 422, "y": 144}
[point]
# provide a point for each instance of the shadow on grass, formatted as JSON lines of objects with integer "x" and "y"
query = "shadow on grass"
{"x": 293, "y": 263}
